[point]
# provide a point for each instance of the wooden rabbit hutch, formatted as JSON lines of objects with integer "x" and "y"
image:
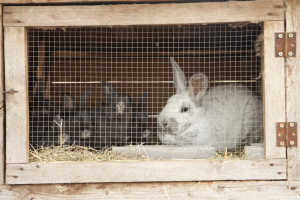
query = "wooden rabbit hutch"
{"x": 71, "y": 46}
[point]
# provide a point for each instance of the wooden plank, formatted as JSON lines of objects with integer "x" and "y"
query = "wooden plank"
{"x": 274, "y": 90}
{"x": 17, "y": 143}
{"x": 146, "y": 171}
{"x": 167, "y": 190}
{"x": 293, "y": 87}
{"x": 80, "y": 1}
{"x": 2, "y": 163}
{"x": 143, "y": 14}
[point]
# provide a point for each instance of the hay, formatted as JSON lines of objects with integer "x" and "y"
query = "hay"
{"x": 238, "y": 153}
{"x": 76, "y": 153}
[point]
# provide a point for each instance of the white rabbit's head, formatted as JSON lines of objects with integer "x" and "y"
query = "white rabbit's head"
{"x": 184, "y": 108}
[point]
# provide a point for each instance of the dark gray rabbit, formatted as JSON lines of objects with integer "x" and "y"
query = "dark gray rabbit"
{"x": 67, "y": 106}
{"x": 85, "y": 120}
{"x": 141, "y": 125}
{"x": 114, "y": 124}
{"x": 57, "y": 134}
{"x": 41, "y": 114}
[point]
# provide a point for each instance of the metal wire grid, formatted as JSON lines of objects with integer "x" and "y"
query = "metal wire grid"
{"x": 67, "y": 68}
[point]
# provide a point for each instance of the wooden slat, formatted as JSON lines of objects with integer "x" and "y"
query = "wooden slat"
{"x": 143, "y": 14}
{"x": 167, "y": 190}
{"x": 274, "y": 90}
{"x": 293, "y": 87}
{"x": 16, "y": 104}
{"x": 146, "y": 171}
{"x": 1, "y": 104}
{"x": 79, "y": 1}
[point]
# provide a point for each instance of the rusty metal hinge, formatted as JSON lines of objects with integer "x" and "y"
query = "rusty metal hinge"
{"x": 285, "y": 44}
{"x": 286, "y": 133}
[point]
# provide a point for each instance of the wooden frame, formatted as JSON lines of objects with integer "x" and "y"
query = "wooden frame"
{"x": 79, "y": 1}
{"x": 142, "y": 14}
{"x": 1, "y": 105}
{"x": 292, "y": 72}
{"x": 19, "y": 171}
{"x": 168, "y": 190}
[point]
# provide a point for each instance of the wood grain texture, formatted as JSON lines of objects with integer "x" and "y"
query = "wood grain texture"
{"x": 143, "y": 14}
{"x": 176, "y": 190}
{"x": 81, "y": 1}
{"x": 16, "y": 104}
{"x": 273, "y": 89}
{"x": 293, "y": 86}
{"x": 2, "y": 163}
{"x": 146, "y": 171}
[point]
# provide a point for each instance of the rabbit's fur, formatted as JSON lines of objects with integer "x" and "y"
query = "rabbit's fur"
{"x": 67, "y": 106}
{"x": 85, "y": 119}
{"x": 141, "y": 126}
{"x": 41, "y": 114}
{"x": 114, "y": 123}
{"x": 53, "y": 137}
{"x": 223, "y": 116}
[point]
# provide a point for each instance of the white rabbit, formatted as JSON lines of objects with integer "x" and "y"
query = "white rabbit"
{"x": 224, "y": 116}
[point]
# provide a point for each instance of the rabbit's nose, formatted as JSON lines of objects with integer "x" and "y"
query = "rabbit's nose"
{"x": 164, "y": 123}
{"x": 121, "y": 107}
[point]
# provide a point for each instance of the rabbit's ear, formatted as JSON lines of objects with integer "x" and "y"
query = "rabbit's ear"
{"x": 84, "y": 98}
{"x": 107, "y": 90}
{"x": 143, "y": 100}
{"x": 178, "y": 77}
{"x": 68, "y": 100}
{"x": 40, "y": 89}
{"x": 198, "y": 84}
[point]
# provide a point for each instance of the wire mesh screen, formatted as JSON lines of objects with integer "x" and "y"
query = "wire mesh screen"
{"x": 165, "y": 86}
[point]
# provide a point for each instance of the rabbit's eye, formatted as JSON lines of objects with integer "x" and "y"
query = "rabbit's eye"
{"x": 184, "y": 109}
{"x": 45, "y": 112}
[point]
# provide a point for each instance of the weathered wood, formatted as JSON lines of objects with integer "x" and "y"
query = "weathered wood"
{"x": 146, "y": 171}
{"x": 143, "y": 14}
{"x": 293, "y": 87}
{"x": 17, "y": 130}
{"x": 79, "y": 1}
{"x": 274, "y": 89}
{"x": 1, "y": 104}
{"x": 167, "y": 190}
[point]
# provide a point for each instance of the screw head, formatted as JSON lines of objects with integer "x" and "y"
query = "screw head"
{"x": 291, "y": 35}
{"x": 291, "y": 53}
{"x": 280, "y": 35}
{"x": 280, "y": 54}
{"x": 281, "y": 125}
{"x": 292, "y": 124}
{"x": 281, "y": 143}
{"x": 292, "y": 143}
